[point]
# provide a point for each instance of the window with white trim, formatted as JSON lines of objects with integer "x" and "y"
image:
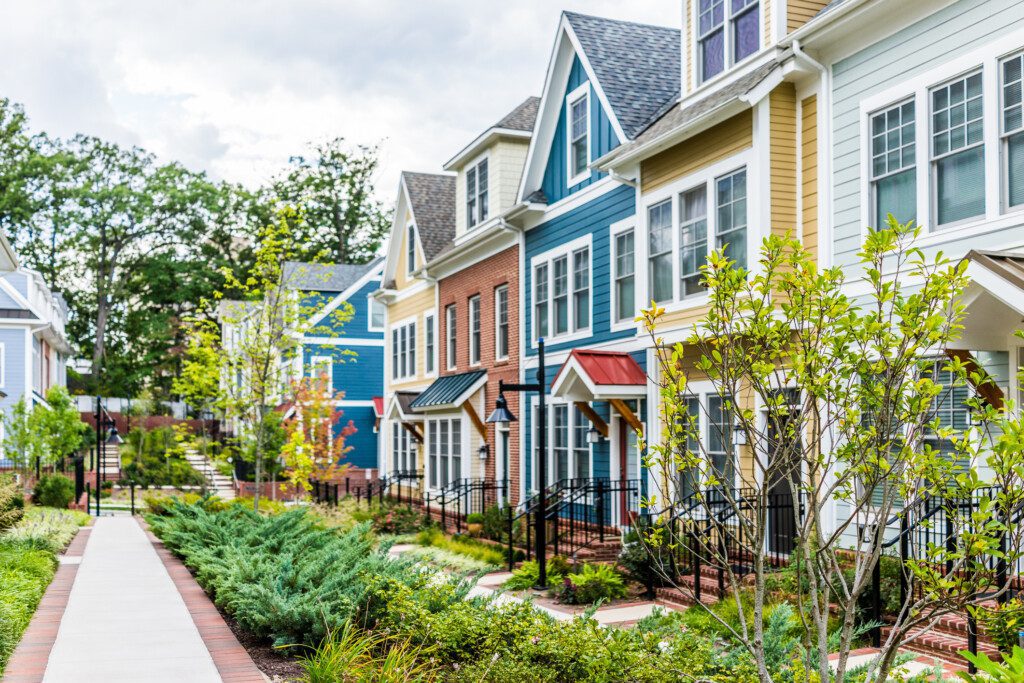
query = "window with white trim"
{"x": 403, "y": 351}
{"x": 719, "y": 439}
{"x": 693, "y": 239}
{"x": 430, "y": 342}
{"x": 476, "y": 193}
{"x": 474, "y": 330}
{"x": 958, "y": 149}
{"x": 625, "y": 276}
{"x": 410, "y": 249}
{"x": 377, "y": 312}
{"x": 894, "y": 164}
{"x": 579, "y": 134}
{"x": 659, "y": 251}
{"x": 731, "y": 226}
{"x": 728, "y": 31}
{"x": 444, "y": 436}
{"x": 1012, "y": 129}
{"x": 403, "y": 449}
{"x": 568, "y": 428}
{"x": 451, "y": 315}
{"x": 562, "y": 302}
{"x": 321, "y": 370}
{"x": 501, "y": 322}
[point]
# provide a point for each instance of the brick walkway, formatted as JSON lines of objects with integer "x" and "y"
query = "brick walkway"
{"x": 124, "y": 609}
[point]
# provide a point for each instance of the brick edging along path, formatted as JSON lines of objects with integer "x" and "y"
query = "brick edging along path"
{"x": 28, "y": 661}
{"x": 231, "y": 659}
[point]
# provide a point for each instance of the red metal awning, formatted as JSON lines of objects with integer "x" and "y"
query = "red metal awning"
{"x": 589, "y": 375}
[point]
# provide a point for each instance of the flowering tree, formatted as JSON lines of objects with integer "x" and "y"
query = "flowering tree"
{"x": 832, "y": 412}
{"x": 315, "y": 444}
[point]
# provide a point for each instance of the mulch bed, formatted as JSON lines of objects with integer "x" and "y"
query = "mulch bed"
{"x": 278, "y": 666}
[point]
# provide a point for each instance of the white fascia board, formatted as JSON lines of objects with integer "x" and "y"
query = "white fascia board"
{"x": 485, "y": 139}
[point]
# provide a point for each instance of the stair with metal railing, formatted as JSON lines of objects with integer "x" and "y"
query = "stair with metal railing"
{"x": 221, "y": 485}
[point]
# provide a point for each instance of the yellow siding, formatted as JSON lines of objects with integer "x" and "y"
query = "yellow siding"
{"x": 809, "y": 172}
{"x": 799, "y": 12}
{"x": 414, "y": 306}
{"x": 768, "y": 37}
{"x": 717, "y": 143}
{"x": 782, "y": 127}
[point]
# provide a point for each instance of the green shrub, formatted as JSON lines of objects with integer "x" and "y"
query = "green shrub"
{"x": 54, "y": 490}
{"x": 645, "y": 562}
{"x": 1003, "y": 622}
{"x": 527, "y": 575}
{"x": 495, "y": 523}
{"x": 475, "y": 518}
{"x": 591, "y": 583}
{"x": 155, "y": 458}
{"x": 461, "y": 545}
{"x": 12, "y": 503}
{"x": 1010, "y": 670}
{"x": 355, "y": 655}
{"x": 395, "y": 519}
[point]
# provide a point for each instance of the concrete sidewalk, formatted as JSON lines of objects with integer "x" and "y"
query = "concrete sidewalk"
{"x": 125, "y": 619}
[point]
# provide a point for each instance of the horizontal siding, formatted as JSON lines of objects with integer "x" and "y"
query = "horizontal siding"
{"x": 782, "y": 127}
{"x": 809, "y": 172}
{"x": 358, "y": 372}
{"x": 363, "y": 443}
{"x": 14, "y": 357}
{"x": 716, "y": 143}
{"x": 594, "y": 217}
{"x": 416, "y": 306}
{"x": 799, "y": 12}
{"x": 945, "y": 35}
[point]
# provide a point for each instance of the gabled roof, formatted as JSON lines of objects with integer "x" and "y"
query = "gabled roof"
{"x": 590, "y": 375}
{"x": 518, "y": 123}
{"x": 432, "y": 201}
{"x": 325, "y": 277}
{"x": 637, "y": 65}
{"x": 522, "y": 117}
{"x": 450, "y": 391}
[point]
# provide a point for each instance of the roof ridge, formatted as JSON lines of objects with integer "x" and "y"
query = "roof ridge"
{"x": 584, "y": 15}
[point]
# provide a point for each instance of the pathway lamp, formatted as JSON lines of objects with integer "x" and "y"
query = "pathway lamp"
{"x": 503, "y": 417}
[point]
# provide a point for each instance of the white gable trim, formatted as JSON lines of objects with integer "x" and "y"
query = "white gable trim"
{"x": 398, "y": 227}
{"x": 372, "y": 274}
{"x": 18, "y": 298}
{"x": 552, "y": 102}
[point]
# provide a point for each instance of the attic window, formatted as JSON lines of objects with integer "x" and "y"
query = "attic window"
{"x": 579, "y": 133}
{"x": 476, "y": 194}
{"x": 410, "y": 249}
{"x": 728, "y": 32}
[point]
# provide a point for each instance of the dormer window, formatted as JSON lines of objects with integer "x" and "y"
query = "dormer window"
{"x": 578, "y": 113}
{"x": 476, "y": 194}
{"x": 727, "y": 33}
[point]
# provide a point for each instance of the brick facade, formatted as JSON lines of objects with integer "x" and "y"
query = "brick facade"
{"x": 482, "y": 279}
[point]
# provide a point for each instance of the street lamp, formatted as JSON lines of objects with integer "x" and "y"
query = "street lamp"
{"x": 502, "y": 417}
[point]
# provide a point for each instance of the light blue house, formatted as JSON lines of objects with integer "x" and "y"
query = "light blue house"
{"x": 606, "y": 81}
{"x": 351, "y": 353}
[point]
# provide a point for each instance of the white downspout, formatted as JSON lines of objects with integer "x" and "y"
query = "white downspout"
{"x": 825, "y": 255}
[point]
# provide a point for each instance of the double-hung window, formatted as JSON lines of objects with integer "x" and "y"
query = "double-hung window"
{"x": 581, "y": 288}
{"x": 403, "y": 351}
{"x": 561, "y": 290}
{"x": 410, "y": 249}
{"x": 659, "y": 250}
{"x": 693, "y": 239}
{"x": 579, "y": 136}
{"x": 445, "y": 451}
{"x": 951, "y": 410}
{"x": 429, "y": 332}
{"x": 560, "y": 426}
{"x": 501, "y": 322}
{"x": 541, "y": 301}
{"x": 403, "y": 449}
{"x": 958, "y": 151}
{"x": 893, "y": 164}
{"x": 320, "y": 370}
{"x": 474, "y": 330}
{"x": 728, "y": 31}
{"x": 625, "y": 276}
{"x": 476, "y": 194}
{"x": 1012, "y": 129}
{"x": 719, "y": 441}
{"x": 377, "y": 311}
{"x": 580, "y": 445}
{"x": 561, "y": 295}
{"x": 453, "y": 337}
{"x": 731, "y": 230}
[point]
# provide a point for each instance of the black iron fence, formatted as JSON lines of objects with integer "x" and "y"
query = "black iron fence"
{"x": 463, "y": 497}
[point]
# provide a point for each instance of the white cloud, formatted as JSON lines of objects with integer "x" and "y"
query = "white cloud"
{"x": 235, "y": 88}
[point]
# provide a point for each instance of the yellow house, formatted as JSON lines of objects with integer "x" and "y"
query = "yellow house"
{"x": 423, "y": 227}
{"x": 734, "y": 160}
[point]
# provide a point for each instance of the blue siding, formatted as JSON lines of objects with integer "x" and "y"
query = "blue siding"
{"x": 364, "y": 441}
{"x": 358, "y": 371}
{"x": 602, "y": 140}
{"x": 13, "y": 340}
{"x": 594, "y": 217}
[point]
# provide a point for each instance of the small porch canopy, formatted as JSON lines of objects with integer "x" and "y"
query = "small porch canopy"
{"x": 378, "y": 412}
{"x": 452, "y": 392}
{"x": 612, "y": 376}
{"x": 400, "y": 409}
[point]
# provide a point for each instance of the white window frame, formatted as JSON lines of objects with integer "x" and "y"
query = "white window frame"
{"x": 707, "y": 176}
{"x": 580, "y": 93}
{"x": 410, "y": 249}
{"x": 1004, "y": 139}
{"x": 479, "y": 217}
{"x": 451, "y": 330}
{"x": 431, "y": 426}
{"x": 873, "y": 179}
{"x": 728, "y": 63}
{"x": 570, "y": 443}
{"x": 430, "y": 344}
{"x": 403, "y": 449}
{"x": 567, "y": 250}
{"x": 996, "y": 217}
{"x": 616, "y": 229}
{"x": 704, "y": 391}
{"x": 409, "y": 351}
{"x": 498, "y": 291}
{"x": 315, "y": 363}
{"x": 371, "y": 302}
{"x": 933, "y": 184}
{"x": 475, "y": 329}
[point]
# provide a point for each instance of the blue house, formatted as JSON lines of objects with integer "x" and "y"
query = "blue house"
{"x": 606, "y": 82}
{"x": 351, "y": 352}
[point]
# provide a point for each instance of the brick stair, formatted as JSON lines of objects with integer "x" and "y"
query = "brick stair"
{"x": 945, "y": 640}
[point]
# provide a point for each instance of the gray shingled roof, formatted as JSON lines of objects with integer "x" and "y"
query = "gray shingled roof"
{"x": 637, "y": 66}
{"x": 433, "y": 206}
{"x": 676, "y": 117}
{"x": 445, "y": 391}
{"x": 324, "y": 277}
{"x": 522, "y": 117}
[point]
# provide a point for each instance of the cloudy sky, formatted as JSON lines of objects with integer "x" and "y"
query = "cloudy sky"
{"x": 235, "y": 87}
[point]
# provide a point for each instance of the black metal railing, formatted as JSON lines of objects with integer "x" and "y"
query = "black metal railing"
{"x": 463, "y": 497}
{"x": 394, "y": 482}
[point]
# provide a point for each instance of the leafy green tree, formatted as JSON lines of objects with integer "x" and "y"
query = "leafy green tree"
{"x": 59, "y": 426}
{"x": 332, "y": 189}
{"x": 21, "y": 442}
{"x": 835, "y": 399}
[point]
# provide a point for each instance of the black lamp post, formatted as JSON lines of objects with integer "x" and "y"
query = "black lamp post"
{"x": 503, "y": 416}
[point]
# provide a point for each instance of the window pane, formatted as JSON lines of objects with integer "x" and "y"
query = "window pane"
{"x": 541, "y": 298}
{"x": 561, "y": 439}
{"x": 1015, "y": 169}
{"x": 580, "y": 447}
{"x": 745, "y": 33}
{"x": 896, "y": 194}
{"x": 687, "y": 478}
{"x": 693, "y": 239}
{"x": 1013, "y": 70}
{"x": 429, "y": 331}
{"x": 561, "y": 294}
{"x": 474, "y": 330}
{"x": 482, "y": 189}
{"x": 659, "y": 224}
{"x": 581, "y": 288}
{"x": 579, "y": 136}
{"x": 712, "y": 54}
{"x": 625, "y": 291}
{"x": 720, "y": 440}
{"x": 960, "y": 180}
{"x": 732, "y": 217}
{"x": 624, "y": 267}
{"x": 956, "y": 115}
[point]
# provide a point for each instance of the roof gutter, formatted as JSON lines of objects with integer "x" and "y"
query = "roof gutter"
{"x": 811, "y": 28}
